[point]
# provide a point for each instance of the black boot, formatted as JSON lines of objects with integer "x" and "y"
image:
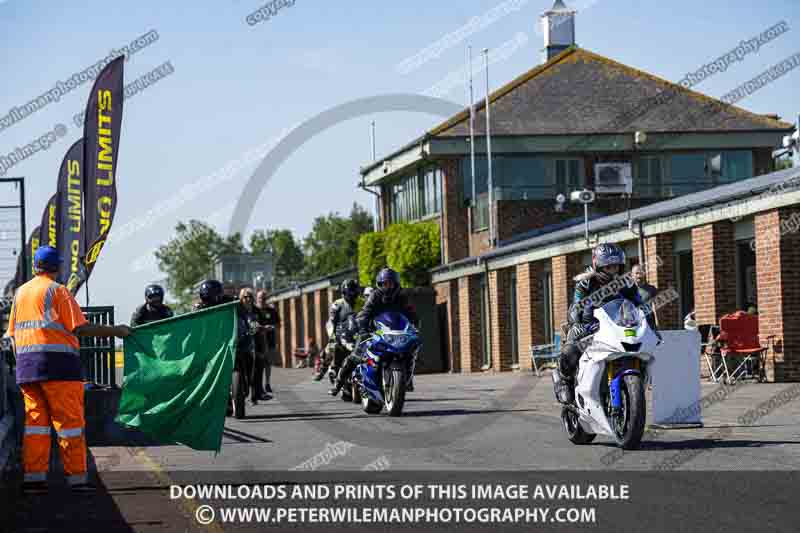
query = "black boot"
{"x": 564, "y": 387}
{"x": 336, "y": 388}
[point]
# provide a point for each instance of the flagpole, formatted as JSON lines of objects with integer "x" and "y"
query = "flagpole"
{"x": 490, "y": 182}
{"x": 474, "y": 201}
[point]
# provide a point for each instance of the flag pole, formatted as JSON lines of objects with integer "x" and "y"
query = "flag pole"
{"x": 474, "y": 201}
{"x": 490, "y": 182}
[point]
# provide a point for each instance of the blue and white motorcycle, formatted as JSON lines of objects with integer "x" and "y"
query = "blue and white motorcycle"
{"x": 613, "y": 372}
{"x": 390, "y": 359}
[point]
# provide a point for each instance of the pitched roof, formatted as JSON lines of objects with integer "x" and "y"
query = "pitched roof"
{"x": 580, "y": 92}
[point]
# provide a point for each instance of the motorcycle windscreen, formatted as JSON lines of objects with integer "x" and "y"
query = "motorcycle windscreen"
{"x": 391, "y": 321}
{"x": 623, "y": 313}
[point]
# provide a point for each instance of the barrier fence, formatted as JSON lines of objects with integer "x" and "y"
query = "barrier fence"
{"x": 98, "y": 354}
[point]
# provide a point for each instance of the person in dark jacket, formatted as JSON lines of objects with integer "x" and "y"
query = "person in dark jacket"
{"x": 153, "y": 308}
{"x": 266, "y": 346}
{"x": 211, "y": 293}
{"x": 248, "y": 329}
{"x": 387, "y": 297}
{"x": 601, "y": 284}
{"x": 338, "y": 313}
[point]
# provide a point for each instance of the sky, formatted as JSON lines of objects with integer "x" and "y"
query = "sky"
{"x": 191, "y": 140}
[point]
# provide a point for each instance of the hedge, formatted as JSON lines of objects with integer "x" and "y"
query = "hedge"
{"x": 410, "y": 249}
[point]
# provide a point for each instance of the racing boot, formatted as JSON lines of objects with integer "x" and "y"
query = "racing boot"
{"x": 564, "y": 387}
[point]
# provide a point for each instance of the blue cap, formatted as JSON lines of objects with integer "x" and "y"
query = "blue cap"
{"x": 46, "y": 255}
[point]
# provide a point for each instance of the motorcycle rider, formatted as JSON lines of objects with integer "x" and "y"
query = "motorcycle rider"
{"x": 338, "y": 313}
{"x": 153, "y": 309}
{"x": 593, "y": 289}
{"x": 211, "y": 294}
{"x": 386, "y": 297}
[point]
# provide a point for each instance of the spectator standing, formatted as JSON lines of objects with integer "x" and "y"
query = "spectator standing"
{"x": 266, "y": 346}
{"x": 646, "y": 291}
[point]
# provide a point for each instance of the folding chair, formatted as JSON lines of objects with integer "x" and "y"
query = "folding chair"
{"x": 710, "y": 350}
{"x": 739, "y": 338}
{"x": 547, "y": 352}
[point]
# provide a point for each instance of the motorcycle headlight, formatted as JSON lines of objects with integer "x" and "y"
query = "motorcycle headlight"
{"x": 628, "y": 316}
{"x": 396, "y": 340}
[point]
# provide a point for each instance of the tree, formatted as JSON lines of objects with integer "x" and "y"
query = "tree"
{"x": 287, "y": 255}
{"x": 332, "y": 244}
{"x": 189, "y": 257}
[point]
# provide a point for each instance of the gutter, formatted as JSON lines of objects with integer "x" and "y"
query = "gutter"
{"x": 363, "y": 187}
{"x": 620, "y": 221}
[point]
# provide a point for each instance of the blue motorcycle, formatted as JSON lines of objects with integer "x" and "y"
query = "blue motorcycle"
{"x": 390, "y": 357}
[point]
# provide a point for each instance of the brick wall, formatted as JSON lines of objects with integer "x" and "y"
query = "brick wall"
{"x": 296, "y": 316}
{"x": 529, "y": 296}
{"x": 500, "y": 319}
{"x": 479, "y": 243}
{"x": 321, "y": 316}
{"x": 663, "y": 277}
{"x": 309, "y": 312}
{"x": 714, "y": 265}
{"x": 778, "y": 281}
{"x": 284, "y": 310}
{"x": 469, "y": 318}
{"x": 762, "y": 161}
{"x": 565, "y": 268}
{"x": 518, "y": 216}
{"x": 454, "y": 227}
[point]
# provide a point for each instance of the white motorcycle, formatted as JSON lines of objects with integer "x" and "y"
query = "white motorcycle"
{"x": 613, "y": 371}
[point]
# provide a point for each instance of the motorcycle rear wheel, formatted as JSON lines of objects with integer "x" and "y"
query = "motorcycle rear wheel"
{"x": 575, "y": 433}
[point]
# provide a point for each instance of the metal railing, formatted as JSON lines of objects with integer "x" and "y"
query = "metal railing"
{"x": 98, "y": 354}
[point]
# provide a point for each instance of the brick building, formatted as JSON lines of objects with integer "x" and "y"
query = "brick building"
{"x": 703, "y": 189}
{"x": 721, "y": 250}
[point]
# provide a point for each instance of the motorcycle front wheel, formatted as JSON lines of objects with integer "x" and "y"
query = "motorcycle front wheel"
{"x": 394, "y": 385}
{"x": 629, "y": 424}
{"x": 575, "y": 433}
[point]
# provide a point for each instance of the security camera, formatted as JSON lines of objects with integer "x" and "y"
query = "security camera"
{"x": 385, "y": 167}
{"x": 561, "y": 199}
{"x": 584, "y": 197}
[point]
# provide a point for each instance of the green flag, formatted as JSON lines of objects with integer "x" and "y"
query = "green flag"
{"x": 178, "y": 377}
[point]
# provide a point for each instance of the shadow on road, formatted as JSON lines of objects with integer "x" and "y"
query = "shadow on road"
{"x": 703, "y": 444}
{"x": 242, "y": 437}
{"x": 460, "y": 412}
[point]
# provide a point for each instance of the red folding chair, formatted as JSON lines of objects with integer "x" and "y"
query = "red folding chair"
{"x": 738, "y": 338}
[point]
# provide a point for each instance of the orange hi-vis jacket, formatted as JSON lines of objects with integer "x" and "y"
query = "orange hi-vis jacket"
{"x": 42, "y": 319}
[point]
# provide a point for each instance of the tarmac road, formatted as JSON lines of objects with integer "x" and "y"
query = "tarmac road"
{"x": 492, "y": 423}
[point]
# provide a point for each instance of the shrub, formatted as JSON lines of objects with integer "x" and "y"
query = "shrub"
{"x": 371, "y": 257}
{"x": 410, "y": 249}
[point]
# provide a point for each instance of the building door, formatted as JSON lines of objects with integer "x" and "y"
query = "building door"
{"x": 444, "y": 337}
{"x": 746, "y": 293}
{"x": 485, "y": 323}
{"x": 546, "y": 309}
{"x": 512, "y": 319}
{"x": 684, "y": 273}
